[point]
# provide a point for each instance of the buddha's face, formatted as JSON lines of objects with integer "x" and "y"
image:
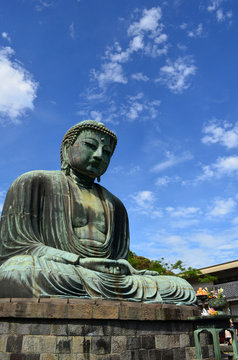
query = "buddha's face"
{"x": 91, "y": 153}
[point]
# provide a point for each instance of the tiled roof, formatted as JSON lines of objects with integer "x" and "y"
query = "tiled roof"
{"x": 230, "y": 289}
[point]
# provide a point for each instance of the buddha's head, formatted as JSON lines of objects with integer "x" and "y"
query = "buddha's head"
{"x": 87, "y": 148}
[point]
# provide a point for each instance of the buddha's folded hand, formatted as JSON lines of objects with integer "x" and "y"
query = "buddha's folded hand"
{"x": 116, "y": 267}
{"x": 131, "y": 271}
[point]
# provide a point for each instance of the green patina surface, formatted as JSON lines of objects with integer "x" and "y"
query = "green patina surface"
{"x": 63, "y": 235}
{"x": 214, "y": 325}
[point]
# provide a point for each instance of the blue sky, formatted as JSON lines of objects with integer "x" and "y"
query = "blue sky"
{"x": 163, "y": 76}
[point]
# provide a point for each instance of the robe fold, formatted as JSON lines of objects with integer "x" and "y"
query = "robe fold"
{"x": 39, "y": 249}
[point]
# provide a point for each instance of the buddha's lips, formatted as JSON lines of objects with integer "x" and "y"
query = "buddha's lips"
{"x": 95, "y": 164}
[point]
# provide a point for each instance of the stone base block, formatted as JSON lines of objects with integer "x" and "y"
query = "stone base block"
{"x": 77, "y": 329}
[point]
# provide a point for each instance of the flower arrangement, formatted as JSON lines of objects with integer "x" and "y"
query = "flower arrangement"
{"x": 215, "y": 293}
{"x": 201, "y": 292}
{"x": 211, "y": 311}
{"x": 216, "y": 301}
{"x": 218, "y": 294}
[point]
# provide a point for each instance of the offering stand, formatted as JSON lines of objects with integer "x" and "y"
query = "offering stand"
{"x": 214, "y": 325}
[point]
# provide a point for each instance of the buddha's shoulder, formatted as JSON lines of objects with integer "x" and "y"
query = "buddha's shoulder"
{"x": 108, "y": 195}
{"x": 39, "y": 176}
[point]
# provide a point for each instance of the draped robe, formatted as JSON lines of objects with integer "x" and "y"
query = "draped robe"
{"x": 39, "y": 249}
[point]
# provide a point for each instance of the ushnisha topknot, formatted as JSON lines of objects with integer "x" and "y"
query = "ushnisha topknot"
{"x": 72, "y": 134}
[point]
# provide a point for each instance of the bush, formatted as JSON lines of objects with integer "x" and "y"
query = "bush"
{"x": 165, "y": 268}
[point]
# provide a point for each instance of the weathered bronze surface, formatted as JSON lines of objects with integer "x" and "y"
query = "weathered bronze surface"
{"x": 62, "y": 235}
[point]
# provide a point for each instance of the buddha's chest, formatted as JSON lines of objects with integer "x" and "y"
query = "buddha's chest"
{"x": 88, "y": 214}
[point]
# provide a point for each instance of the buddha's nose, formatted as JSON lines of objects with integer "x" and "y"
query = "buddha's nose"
{"x": 98, "y": 154}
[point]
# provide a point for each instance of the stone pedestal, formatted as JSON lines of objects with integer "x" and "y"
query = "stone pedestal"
{"x": 78, "y": 329}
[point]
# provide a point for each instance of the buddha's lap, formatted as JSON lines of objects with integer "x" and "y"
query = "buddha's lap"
{"x": 20, "y": 274}
{"x": 32, "y": 276}
{"x": 28, "y": 264}
{"x": 23, "y": 264}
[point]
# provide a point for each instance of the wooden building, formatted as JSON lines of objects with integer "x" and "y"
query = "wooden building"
{"x": 227, "y": 278}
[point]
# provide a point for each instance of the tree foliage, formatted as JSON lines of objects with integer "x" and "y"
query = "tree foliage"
{"x": 165, "y": 268}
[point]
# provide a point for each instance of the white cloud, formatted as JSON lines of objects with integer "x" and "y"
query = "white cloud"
{"x": 145, "y": 199}
{"x": 221, "y": 14}
{"x": 111, "y": 72}
{"x": 17, "y": 88}
{"x": 6, "y": 36}
{"x": 133, "y": 170}
{"x": 109, "y": 114}
{"x": 183, "y": 211}
{"x": 196, "y": 32}
{"x": 136, "y": 43}
{"x": 42, "y": 4}
{"x": 96, "y": 115}
{"x": 138, "y": 96}
{"x": 72, "y": 30}
{"x": 175, "y": 75}
{"x": 208, "y": 173}
{"x": 138, "y": 107}
{"x": 148, "y": 22}
{"x": 195, "y": 248}
{"x": 121, "y": 170}
{"x": 139, "y": 77}
{"x": 165, "y": 180}
{"x": 144, "y": 203}
{"x": 171, "y": 161}
{"x": 182, "y": 223}
{"x": 224, "y": 166}
{"x": 117, "y": 170}
{"x": 181, "y": 47}
{"x": 116, "y": 54}
{"x": 214, "y": 5}
{"x": 224, "y": 134}
{"x": 134, "y": 108}
{"x": 145, "y": 35}
{"x": 153, "y": 50}
{"x": 161, "y": 38}
{"x": 162, "y": 181}
{"x": 183, "y": 26}
{"x": 111, "y": 117}
{"x": 94, "y": 93}
{"x": 222, "y": 207}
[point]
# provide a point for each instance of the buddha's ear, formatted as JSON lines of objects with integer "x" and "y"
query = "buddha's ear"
{"x": 65, "y": 157}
